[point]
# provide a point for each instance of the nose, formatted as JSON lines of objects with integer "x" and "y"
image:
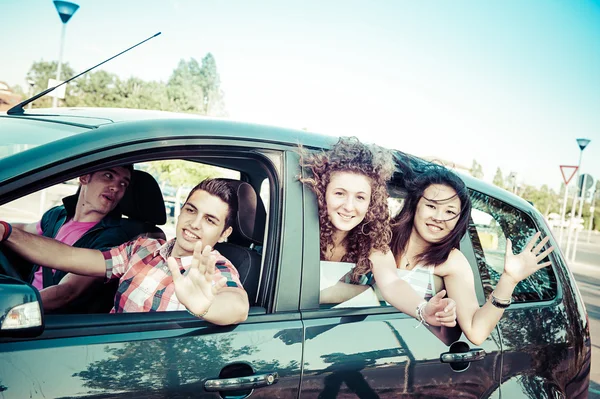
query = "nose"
{"x": 348, "y": 204}
{"x": 438, "y": 216}
{"x": 196, "y": 223}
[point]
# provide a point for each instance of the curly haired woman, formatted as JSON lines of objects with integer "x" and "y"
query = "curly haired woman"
{"x": 350, "y": 184}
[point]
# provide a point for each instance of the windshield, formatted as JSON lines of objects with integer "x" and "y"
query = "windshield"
{"x": 21, "y": 134}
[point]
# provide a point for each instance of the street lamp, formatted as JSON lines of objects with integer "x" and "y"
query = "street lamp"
{"x": 65, "y": 11}
{"x": 571, "y": 253}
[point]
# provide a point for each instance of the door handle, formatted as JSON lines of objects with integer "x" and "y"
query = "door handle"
{"x": 241, "y": 383}
{"x": 468, "y": 356}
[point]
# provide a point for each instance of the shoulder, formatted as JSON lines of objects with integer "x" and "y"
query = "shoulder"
{"x": 456, "y": 263}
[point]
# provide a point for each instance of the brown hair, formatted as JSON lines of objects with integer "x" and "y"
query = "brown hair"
{"x": 222, "y": 190}
{"x": 372, "y": 161}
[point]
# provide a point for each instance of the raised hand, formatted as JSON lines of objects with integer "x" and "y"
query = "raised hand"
{"x": 440, "y": 311}
{"x": 196, "y": 290}
{"x": 519, "y": 267}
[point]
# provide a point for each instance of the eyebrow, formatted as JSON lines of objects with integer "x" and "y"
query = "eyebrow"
{"x": 205, "y": 214}
{"x": 113, "y": 171}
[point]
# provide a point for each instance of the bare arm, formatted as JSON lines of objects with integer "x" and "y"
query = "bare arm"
{"x": 28, "y": 227}
{"x": 341, "y": 292}
{"x": 51, "y": 253}
{"x": 69, "y": 288}
{"x": 477, "y": 323}
{"x": 403, "y": 297}
{"x": 230, "y": 306}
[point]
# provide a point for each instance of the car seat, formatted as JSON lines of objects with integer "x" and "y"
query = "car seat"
{"x": 244, "y": 245}
{"x": 145, "y": 209}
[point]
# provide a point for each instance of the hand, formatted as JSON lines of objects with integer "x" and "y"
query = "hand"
{"x": 519, "y": 267}
{"x": 195, "y": 290}
{"x": 440, "y": 311}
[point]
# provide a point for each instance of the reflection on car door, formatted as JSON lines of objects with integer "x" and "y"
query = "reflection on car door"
{"x": 144, "y": 359}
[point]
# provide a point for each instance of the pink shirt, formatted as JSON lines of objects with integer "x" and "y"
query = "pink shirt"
{"x": 69, "y": 233}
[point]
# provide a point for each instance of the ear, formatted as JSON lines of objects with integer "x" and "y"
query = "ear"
{"x": 226, "y": 233}
{"x": 85, "y": 179}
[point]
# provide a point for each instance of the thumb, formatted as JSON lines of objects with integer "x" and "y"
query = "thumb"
{"x": 440, "y": 295}
{"x": 509, "y": 250}
{"x": 174, "y": 269}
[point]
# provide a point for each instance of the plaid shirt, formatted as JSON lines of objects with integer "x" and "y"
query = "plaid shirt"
{"x": 146, "y": 284}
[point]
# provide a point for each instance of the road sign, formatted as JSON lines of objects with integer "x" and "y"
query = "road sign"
{"x": 568, "y": 172}
{"x": 589, "y": 182}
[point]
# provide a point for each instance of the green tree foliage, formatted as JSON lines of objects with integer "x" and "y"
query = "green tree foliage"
{"x": 544, "y": 199}
{"x": 192, "y": 87}
{"x": 40, "y": 72}
{"x": 476, "y": 170}
{"x": 498, "y": 178}
{"x": 181, "y": 173}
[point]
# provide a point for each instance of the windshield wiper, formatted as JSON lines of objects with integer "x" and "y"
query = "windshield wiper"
{"x": 18, "y": 109}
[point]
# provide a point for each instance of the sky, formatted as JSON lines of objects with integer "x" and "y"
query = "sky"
{"x": 511, "y": 84}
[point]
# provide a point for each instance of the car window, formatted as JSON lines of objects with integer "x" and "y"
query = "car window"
{"x": 493, "y": 221}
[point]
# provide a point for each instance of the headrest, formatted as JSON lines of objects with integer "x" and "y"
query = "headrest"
{"x": 249, "y": 223}
{"x": 143, "y": 199}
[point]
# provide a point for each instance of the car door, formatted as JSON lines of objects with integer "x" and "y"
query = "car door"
{"x": 544, "y": 332}
{"x": 171, "y": 354}
{"x": 378, "y": 352}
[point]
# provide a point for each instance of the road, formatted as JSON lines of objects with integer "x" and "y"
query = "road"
{"x": 586, "y": 270}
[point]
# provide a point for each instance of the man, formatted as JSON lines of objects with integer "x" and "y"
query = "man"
{"x": 155, "y": 275}
{"x": 88, "y": 219}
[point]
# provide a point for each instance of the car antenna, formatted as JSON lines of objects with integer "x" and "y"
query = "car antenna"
{"x": 18, "y": 109}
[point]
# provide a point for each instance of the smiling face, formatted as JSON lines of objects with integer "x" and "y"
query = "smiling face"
{"x": 101, "y": 192}
{"x": 202, "y": 218}
{"x": 348, "y": 196}
{"x": 437, "y": 213}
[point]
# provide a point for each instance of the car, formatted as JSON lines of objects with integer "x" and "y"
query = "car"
{"x": 289, "y": 346}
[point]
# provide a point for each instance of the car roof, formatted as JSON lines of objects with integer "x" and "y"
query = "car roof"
{"x": 98, "y": 127}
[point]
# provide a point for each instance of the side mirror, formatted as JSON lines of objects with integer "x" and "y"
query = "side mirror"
{"x": 21, "y": 313}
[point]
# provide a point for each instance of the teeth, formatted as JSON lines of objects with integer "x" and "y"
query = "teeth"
{"x": 436, "y": 228}
{"x": 345, "y": 217}
{"x": 190, "y": 235}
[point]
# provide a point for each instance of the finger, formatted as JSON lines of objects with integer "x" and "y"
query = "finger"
{"x": 197, "y": 255}
{"x": 204, "y": 258}
{"x": 540, "y": 246}
{"x": 446, "y": 320}
{"x": 174, "y": 269}
{"x": 451, "y": 306}
{"x": 209, "y": 261}
{"x": 219, "y": 284}
{"x": 449, "y": 324}
{"x": 541, "y": 265}
{"x": 509, "y": 250}
{"x": 532, "y": 242}
{"x": 439, "y": 296}
{"x": 544, "y": 254}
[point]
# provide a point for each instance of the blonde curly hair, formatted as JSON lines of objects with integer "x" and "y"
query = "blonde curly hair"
{"x": 373, "y": 232}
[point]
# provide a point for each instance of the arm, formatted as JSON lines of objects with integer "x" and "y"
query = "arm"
{"x": 399, "y": 293}
{"x": 69, "y": 288}
{"x": 28, "y": 227}
{"x": 230, "y": 306}
{"x": 341, "y": 292}
{"x": 477, "y": 323}
{"x": 51, "y": 253}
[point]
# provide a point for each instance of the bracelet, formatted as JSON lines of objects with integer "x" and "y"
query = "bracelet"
{"x": 200, "y": 316}
{"x": 499, "y": 303}
{"x": 419, "y": 314}
{"x": 7, "y": 231}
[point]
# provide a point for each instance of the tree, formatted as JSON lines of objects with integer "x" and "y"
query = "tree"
{"x": 498, "y": 178}
{"x": 40, "y": 72}
{"x": 476, "y": 170}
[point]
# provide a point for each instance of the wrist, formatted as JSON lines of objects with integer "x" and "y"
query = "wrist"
{"x": 7, "y": 231}
{"x": 506, "y": 282}
{"x": 198, "y": 315}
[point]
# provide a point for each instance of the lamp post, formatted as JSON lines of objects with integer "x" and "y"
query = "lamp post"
{"x": 65, "y": 11}
{"x": 571, "y": 252}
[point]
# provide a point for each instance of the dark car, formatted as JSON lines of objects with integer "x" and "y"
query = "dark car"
{"x": 289, "y": 346}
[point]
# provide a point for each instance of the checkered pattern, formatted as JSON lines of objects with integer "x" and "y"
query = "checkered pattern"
{"x": 145, "y": 282}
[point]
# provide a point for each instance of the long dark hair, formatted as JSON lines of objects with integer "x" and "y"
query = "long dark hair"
{"x": 372, "y": 161}
{"x": 417, "y": 182}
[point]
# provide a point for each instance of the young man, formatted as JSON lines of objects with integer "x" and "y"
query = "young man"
{"x": 86, "y": 220}
{"x": 155, "y": 275}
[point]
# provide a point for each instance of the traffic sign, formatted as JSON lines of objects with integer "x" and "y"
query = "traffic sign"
{"x": 589, "y": 182}
{"x": 568, "y": 172}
